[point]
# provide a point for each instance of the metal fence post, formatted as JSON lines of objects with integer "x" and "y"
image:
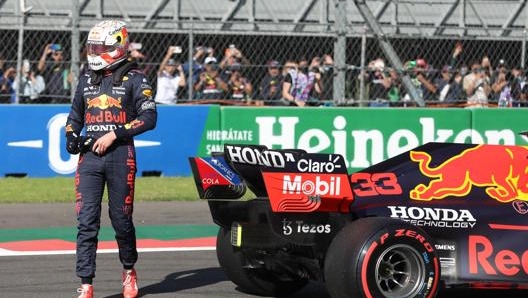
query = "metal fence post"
{"x": 20, "y": 13}
{"x": 75, "y": 47}
{"x": 340, "y": 52}
{"x": 362, "y": 99}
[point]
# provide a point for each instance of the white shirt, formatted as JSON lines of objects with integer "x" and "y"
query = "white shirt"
{"x": 29, "y": 88}
{"x": 167, "y": 88}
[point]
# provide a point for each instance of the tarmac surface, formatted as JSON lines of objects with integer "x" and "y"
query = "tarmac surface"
{"x": 183, "y": 274}
{"x": 46, "y": 215}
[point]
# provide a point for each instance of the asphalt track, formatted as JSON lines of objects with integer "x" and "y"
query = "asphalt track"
{"x": 190, "y": 272}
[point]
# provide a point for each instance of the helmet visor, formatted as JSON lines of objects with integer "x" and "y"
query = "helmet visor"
{"x": 98, "y": 49}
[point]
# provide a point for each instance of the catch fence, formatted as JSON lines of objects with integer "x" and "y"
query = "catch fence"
{"x": 357, "y": 58}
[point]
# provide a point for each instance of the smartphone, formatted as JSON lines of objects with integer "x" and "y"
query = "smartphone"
{"x": 135, "y": 46}
{"x": 177, "y": 50}
{"x": 56, "y": 47}
{"x": 232, "y": 46}
{"x": 25, "y": 66}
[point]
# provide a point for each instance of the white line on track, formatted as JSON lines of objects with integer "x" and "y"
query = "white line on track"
{"x": 8, "y": 253}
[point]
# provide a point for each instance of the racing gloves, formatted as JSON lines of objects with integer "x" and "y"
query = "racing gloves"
{"x": 78, "y": 144}
{"x": 72, "y": 143}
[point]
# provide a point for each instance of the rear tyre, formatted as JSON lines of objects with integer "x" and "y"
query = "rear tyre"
{"x": 381, "y": 258}
{"x": 256, "y": 281}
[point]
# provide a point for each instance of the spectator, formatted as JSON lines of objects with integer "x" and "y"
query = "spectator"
{"x": 136, "y": 54}
{"x": 210, "y": 85}
{"x": 298, "y": 83}
{"x": 193, "y": 69}
{"x": 170, "y": 79}
{"x": 293, "y": 85}
{"x": 269, "y": 91}
{"x": 476, "y": 86}
{"x": 232, "y": 55}
{"x": 314, "y": 87}
{"x": 469, "y": 76}
{"x": 379, "y": 82}
{"x": 327, "y": 77}
{"x": 31, "y": 84}
{"x": 55, "y": 73}
{"x": 453, "y": 61}
{"x": 7, "y": 77}
{"x": 425, "y": 76}
{"x": 500, "y": 80}
{"x": 239, "y": 87}
{"x": 83, "y": 67}
{"x": 396, "y": 89}
{"x": 449, "y": 85}
{"x": 518, "y": 83}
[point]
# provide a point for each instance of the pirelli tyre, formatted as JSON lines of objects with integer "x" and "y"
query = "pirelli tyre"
{"x": 251, "y": 280}
{"x": 381, "y": 258}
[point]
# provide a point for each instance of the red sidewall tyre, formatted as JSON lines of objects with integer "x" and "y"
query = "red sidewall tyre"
{"x": 382, "y": 258}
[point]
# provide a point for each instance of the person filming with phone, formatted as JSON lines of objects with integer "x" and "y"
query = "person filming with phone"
{"x": 56, "y": 74}
{"x": 29, "y": 84}
{"x": 170, "y": 78}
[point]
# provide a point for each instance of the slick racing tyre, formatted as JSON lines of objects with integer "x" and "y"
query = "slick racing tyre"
{"x": 381, "y": 258}
{"x": 256, "y": 281}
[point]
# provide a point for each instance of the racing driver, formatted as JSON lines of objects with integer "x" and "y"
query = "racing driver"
{"x": 112, "y": 104}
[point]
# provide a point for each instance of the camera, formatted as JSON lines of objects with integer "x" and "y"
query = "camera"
{"x": 177, "y": 50}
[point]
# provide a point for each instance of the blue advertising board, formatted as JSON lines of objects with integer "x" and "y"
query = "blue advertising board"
{"x": 32, "y": 140}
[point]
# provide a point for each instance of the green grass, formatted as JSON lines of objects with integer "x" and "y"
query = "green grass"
{"x": 61, "y": 189}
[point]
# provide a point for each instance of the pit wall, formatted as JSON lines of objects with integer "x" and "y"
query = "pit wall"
{"x": 32, "y": 136}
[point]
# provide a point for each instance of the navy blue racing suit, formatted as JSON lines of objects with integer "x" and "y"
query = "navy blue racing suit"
{"x": 119, "y": 101}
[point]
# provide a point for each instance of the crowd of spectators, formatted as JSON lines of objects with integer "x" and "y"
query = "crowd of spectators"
{"x": 228, "y": 76}
{"x": 477, "y": 84}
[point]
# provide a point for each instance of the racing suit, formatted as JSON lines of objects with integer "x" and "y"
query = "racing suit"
{"x": 120, "y": 101}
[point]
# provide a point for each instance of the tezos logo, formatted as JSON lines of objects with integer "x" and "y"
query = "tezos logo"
{"x": 300, "y": 227}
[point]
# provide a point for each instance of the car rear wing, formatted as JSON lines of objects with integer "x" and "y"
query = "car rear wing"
{"x": 215, "y": 179}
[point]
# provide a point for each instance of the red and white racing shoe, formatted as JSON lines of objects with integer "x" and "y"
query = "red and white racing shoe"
{"x": 130, "y": 287}
{"x": 86, "y": 291}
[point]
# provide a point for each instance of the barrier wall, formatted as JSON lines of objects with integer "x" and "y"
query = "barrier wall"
{"x": 32, "y": 136}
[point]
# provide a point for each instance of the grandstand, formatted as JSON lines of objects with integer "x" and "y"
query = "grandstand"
{"x": 483, "y": 18}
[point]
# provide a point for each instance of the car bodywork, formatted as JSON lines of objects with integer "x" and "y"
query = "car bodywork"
{"x": 452, "y": 214}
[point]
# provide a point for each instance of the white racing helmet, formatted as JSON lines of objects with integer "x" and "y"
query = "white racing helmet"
{"x": 107, "y": 44}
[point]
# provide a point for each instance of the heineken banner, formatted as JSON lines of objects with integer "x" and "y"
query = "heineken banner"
{"x": 363, "y": 136}
{"x": 32, "y": 136}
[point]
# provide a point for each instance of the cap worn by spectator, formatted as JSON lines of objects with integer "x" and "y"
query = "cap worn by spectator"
{"x": 446, "y": 68}
{"x": 421, "y": 63}
{"x": 273, "y": 64}
{"x": 209, "y": 60}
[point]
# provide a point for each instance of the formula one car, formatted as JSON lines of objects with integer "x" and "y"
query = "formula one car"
{"x": 438, "y": 216}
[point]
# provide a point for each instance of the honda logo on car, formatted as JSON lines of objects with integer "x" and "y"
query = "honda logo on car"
{"x": 434, "y": 217}
{"x": 312, "y": 185}
{"x": 256, "y": 156}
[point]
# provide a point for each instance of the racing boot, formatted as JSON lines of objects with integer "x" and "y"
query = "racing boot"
{"x": 130, "y": 288}
{"x": 86, "y": 291}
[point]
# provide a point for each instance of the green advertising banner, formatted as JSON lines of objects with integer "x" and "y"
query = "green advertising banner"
{"x": 500, "y": 126}
{"x": 364, "y": 136}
